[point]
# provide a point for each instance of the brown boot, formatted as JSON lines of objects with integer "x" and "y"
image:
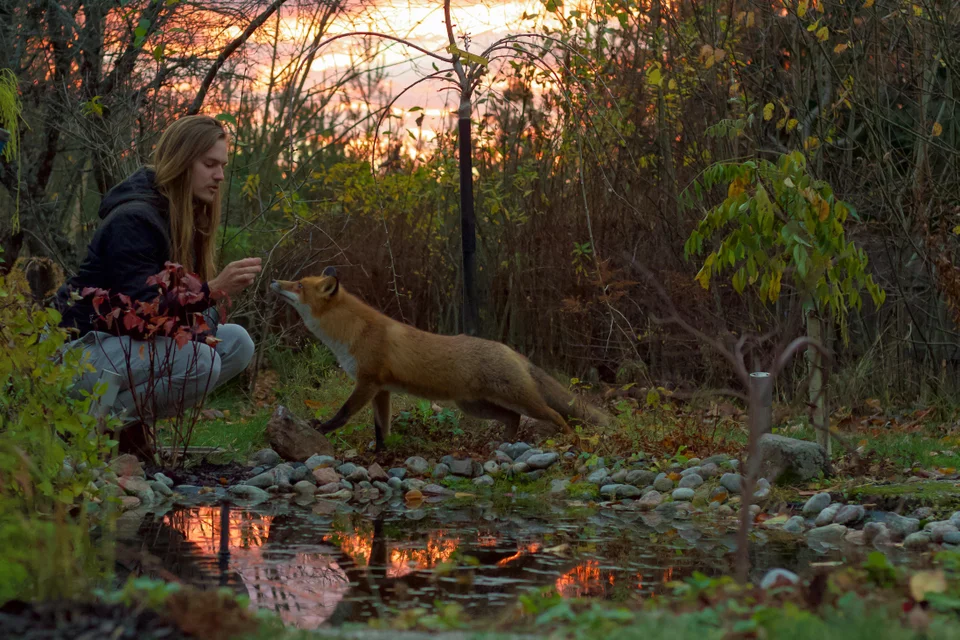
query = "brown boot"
{"x": 134, "y": 439}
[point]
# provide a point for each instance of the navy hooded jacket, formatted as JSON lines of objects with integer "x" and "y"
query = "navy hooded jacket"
{"x": 130, "y": 245}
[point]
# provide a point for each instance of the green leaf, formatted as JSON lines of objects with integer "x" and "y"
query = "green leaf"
{"x": 226, "y": 117}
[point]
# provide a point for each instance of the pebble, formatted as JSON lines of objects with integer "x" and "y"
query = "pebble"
{"x": 826, "y": 516}
{"x": 952, "y": 537}
{"x": 690, "y": 471}
{"x": 939, "y": 530}
{"x": 663, "y": 484}
{"x": 619, "y": 491}
{"x": 598, "y": 477}
{"x": 412, "y": 483}
{"x": 502, "y": 457}
{"x": 794, "y": 525}
{"x": 346, "y": 469}
{"x": 161, "y": 489}
{"x": 650, "y": 500}
{"x": 304, "y": 488}
{"x": 917, "y": 540}
{"x": 376, "y": 473}
{"x": 816, "y": 504}
{"x": 416, "y": 465}
{"x": 435, "y": 490}
{"x": 731, "y": 482}
{"x": 395, "y": 483}
{"x": 515, "y": 450}
{"x": 849, "y": 514}
{"x": 316, "y": 461}
{"x": 325, "y": 475}
{"x": 558, "y": 487}
{"x": 874, "y": 530}
{"x": 830, "y": 534}
{"x": 483, "y": 481}
{"x": 526, "y": 455}
{"x": 464, "y": 468}
{"x": 619, "y": 477}
{"x": 248, "y": 492}
{"x": 709, "y": 470}
{"x": 491, "y": 468}
{"x": 691, "y": 481}
{"x": 779, "y": 578}
{"x": 683, "y": 494}
{"x": 543, "y": 460}
{"x": 359, "y": 474}
{"x": 640, "y": 477}
{"x": 900, "y": 526}
{"x": 762, "y": 492}
{"x": 159, "y": 477}
{"x": 397, "y": 472}
{"x": 440, "y": 471}
{"x": 266, "y": 457}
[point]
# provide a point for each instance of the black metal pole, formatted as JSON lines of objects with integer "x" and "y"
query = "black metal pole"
{"x": 468, "y": 224}
{"x": 224, "y": 555}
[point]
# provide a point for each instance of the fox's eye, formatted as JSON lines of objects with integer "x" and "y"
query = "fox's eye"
{"x": 299, "y": 286}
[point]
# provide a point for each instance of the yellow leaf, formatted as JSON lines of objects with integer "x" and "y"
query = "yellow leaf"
{"x": 672, "y": 85}
{"x": 789, "y": 183}
{"x": 792, "y": 124}
{"x": 802, "y": 8}
{"x": 768, "y": 111}
{"x": 956, "y": 230}
{"x": 937, "y": 129}
{"x": 917, "y": 10}
{"x": 924, "y": 582}
{"x": 840, "y": 48}
{"x": 823, "y": 209}
{"x": 734, "y": 189}
{"x": 823, "y": 34}
{"x": 775, "y": 286}
{"x": 867, "y": 4}
{"x": 706, "y": 51}
{"x": 708, "y": 63}
{"x": 654, "y": 77}
{"x": 751, "y": 19}
{"x": 312, "y": 404}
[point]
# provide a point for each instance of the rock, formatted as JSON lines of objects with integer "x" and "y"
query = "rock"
{"x": 849, "y": 514}
{"x": 620, "y": 491}
{"x": 640, "y": 478}
{"x": 762, "y": 491}
{"x": 917, "y": 540}
{"x": 416, "y": 465}
{"x": 397, "y": 472}
{"x": 526, "y": 455}
{"x": 366, "y": 494}
{"x": 724, "y": 511}
{"x": 187, "y": 489}
{"x": 346, "y": 484}
{"x": 779, "y": 578}
{"x": 618, "y": 477}
{"x": 376, "y": 473}
{"x": 248, "y": 492}
{"x": 304, "y": 488}
{"x": 317, "y": 461}
{"x": 776, "y": 522}
{"x": 412, "y": 483}
{"x": 262, "y": 480}
{"x": 328, "y": 488}
{"x": 731, "y": 482}
{"x": 383, "y": 487}
{"x": 691, "y": 482}
{"x": 683, "y": 494}
{"x": 129, "y": 503}
{"x": 598, "y": 477}
{"x": 359, "y": 474}
{"x": 516, "y": 450}
{"x": 440, "y": 471}
{"x": 126, "y": 465}
{"x": 559, "y": 487}
{"x": 159, "y": 477}
{"x": 349, "y": 454}
{"x": 939, "y": 530}
{"x": 951, "y": 537}
{"x": 830, "y": 534}
{"x": 395, "y": 483}
{"x": 816, "y": 504}
{"x": 300, "y": 472}
{"x": 346, "y": 469}
{"x": 543, "y": 460}
{"x": 676, "y": 510}
{"x": 755, "y": 510}
{"x": 325, "y": 475}
{"x": 719, "y": 495}
{"x": 789, "y": 461}
{"x": 709, "y": 470}
{"x": 265, "y": 457}
{"x": 468, "y": 468}
{"x": 663, "y": 484}
{"x": 137, "y": 486}
{"x": 718, "y": 459}
{"x": 342, "y": 494}
{"x": 160, "y": 489}
{"x": 794, "y": 525}
{"x": 518, "y": 467}
{"x": 293, "y": 438}
{"x": 534, "y": 475}
{"x": 502, "y": 457}
{"x": 491, "y": 467}
{"x": 826, "y": 516}
{"x": 649, "y": 501}
{"x": 435, "y": 490}
{"x": 483, "y": 481}
{"x": 854, "y": 537}
{"x": 690, "y": 471}
{"x": 874, "y": 530}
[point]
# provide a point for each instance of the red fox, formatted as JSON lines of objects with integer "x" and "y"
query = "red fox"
{"x": 486, "y": 379}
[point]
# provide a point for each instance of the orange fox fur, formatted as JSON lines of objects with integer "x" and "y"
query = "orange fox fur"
{"x": 486, "y": 379}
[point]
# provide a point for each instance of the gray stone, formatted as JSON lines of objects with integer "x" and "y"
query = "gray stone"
{"x": 502, "y": 457}
{"x": 816, "y": 504}
{"x": 663, "y": 484}
{"x": 535, "y": 475}
{"x": 359, "y": 474}
{"x": 304, "y": 488}
{"x": 650, "y": 500}
{"x": 160, "y": 489}
{"x": 789, "y": 461}
{"x": 619, "y": 491}
{"x": 411, "y": 484}
{"x": 917, "y": 540}
{"x": 346, "y": 469}
{"x": 542, "y": 460}
{"x": 330, "y": 487}
{"x": 826, "y": 516}
{"x": 519, "y": 467}
{"x": 598, "y": 477}
{"x": 794, "y": 525}
{"x": 558, "y": 487}
{"x": 690, "y": 471}
{"x": 709, "y": 470}
{"x": 300, "y": 472}
{"x": 873, "y": 531}
{"x": 397, "y": 472}
{"x": 342, "y": 494}
{"x": 346, "y": 484}
{"x": 463, "y": 468}
{"x": 683, "y": 494}
{"x": 435, "y": 490}
{"x": 779, "y": 578}
{"x": 619, "y": 477}
{"x": 124, "y": 465}
{"x": 691, "y": 481}
{"x": 940, "y": 529}
{"x": 491, "y": 468}
{"x": 951, "y": 537}
{"x": 483, "y": 481}
{"x": 526, "y": 455}
{"x": 376, "y": 473}
{"x": 266, "y": 457}
{"x": 731, "y": 482}
{"x": 516, "y": 449}
{"x": 900, "y": 527}
{"x": 137, "y": 486}
{"x": 248, "y": 492}
{"x": 724, "y": 511}
{"x": 316, "y": 461}
{"x": 640, "y": 477}
{"x": 718, "y": 459}
{"x": 849, "y": 514}
{"x": 416, "y": 465}
{"x": 383, "y": 487}
{"x": 762, "y": 490}
{"x": 830, "y": 534}
{"x": 395, "y": 483}
{"x": 159, "y": 477}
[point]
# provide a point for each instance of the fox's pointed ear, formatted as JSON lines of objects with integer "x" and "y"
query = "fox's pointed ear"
{"x": 331, "y": 285}
{"x": 330, "y": 272}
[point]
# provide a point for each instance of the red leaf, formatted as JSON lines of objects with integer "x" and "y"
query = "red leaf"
{"x": 125, "y": 299}
{"x": 131, "y": 320}
{"x": 97, "y": 301}
{"x": 192, "y": 283}
{"x": 182, "y": 337}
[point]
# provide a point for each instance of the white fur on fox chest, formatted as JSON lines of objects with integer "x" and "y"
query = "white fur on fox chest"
{"x": 339, "y": 349}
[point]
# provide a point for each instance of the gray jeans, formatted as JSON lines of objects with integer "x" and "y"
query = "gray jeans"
{"x": 160, "y": 379}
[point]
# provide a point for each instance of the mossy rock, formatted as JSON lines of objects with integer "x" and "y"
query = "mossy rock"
{"x": 907, "y": 495}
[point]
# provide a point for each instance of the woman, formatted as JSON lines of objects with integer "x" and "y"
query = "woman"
{"x": 168, "y": 211}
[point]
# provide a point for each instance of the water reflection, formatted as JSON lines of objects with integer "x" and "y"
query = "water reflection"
{"x": 330, "y": 568}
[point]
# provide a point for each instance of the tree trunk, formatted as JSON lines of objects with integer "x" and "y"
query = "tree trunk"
{"x": 468, "y": 222}
{"x": 818, "y": 391}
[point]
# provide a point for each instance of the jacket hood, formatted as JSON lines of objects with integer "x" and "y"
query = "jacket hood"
{"x": 138, "y": 186}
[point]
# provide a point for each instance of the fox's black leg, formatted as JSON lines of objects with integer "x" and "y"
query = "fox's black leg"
{"x": 361, "y": 395}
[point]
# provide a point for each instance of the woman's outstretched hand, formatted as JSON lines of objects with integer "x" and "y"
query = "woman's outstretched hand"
{"x": 236, "y": 276}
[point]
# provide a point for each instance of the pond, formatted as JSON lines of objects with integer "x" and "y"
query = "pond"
{"x": 330, "y": 563}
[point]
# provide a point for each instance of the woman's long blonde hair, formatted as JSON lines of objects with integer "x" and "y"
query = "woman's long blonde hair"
{"x": 193, "y": 226}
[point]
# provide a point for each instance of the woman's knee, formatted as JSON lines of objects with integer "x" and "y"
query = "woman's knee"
{"x": 204, "y": 363}
{"x": 236, "y": 345}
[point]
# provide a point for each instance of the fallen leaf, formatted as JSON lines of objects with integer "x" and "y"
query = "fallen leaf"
{"x": 559, "y": 550}
{"x": 312, "y": 404}
{"x": 924, "y": 582}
